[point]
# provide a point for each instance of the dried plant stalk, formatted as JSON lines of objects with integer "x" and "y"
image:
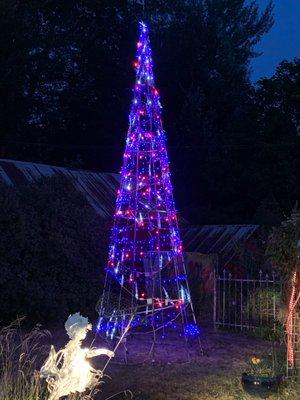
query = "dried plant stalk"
{"x": 20, "y": 355}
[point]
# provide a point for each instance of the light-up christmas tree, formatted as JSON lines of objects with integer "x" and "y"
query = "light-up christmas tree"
{"x": 145, "y": 274}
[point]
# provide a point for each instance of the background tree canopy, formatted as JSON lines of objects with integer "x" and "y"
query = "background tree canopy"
{"x": 66, "y": 79}
{"x": 52, "y": 251}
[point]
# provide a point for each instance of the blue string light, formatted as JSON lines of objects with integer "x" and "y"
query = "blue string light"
{"x": 145, "y": 220}
{"x": 192, "y": 330}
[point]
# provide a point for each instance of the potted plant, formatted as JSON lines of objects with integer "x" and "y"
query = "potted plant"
{"x": 261, "y": 380}
{"x": 266, "y": 372}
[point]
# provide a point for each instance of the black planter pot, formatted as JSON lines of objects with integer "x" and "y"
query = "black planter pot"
{"x": 260, "y": 386}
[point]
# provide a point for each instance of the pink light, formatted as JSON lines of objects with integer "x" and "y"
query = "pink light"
{"x": 290, "y": 321}
{"x": 135, "y": 64}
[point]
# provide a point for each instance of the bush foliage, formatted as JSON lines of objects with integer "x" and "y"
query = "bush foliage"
{"x": 283, "y": 246}
{"x": 283, "y": 252}
{"x": 52, "y": 248}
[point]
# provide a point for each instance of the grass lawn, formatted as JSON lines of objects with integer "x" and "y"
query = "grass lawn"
{"x": 216, "y": 375}
{"x": 166, "y": 375}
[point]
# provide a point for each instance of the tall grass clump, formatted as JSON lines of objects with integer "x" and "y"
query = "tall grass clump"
{"x": 21, "y": 354}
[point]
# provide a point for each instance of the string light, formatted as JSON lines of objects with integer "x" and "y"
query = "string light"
{"x": 145, "y": 228}
{"x": 290, "y": 320}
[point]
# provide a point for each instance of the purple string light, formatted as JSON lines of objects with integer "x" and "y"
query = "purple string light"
{"x": 145, "y": 221}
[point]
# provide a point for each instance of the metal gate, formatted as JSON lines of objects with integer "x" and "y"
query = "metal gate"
{"x": 246, "y": 303}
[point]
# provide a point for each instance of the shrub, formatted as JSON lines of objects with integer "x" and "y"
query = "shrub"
{"x": 52, "y": 250}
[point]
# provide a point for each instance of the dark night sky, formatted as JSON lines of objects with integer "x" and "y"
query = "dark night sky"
{"x": 283, "y": 40}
